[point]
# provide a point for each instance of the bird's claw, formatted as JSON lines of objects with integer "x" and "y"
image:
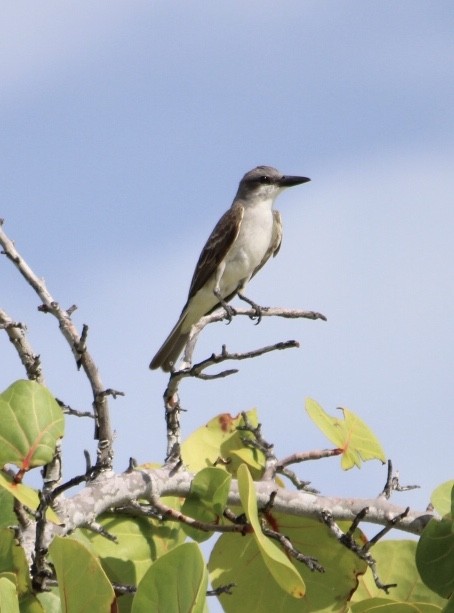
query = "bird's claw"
{"x": 229, "y": 312}
{"x": 257, "y": 308}
{"x": 257, "y": 315}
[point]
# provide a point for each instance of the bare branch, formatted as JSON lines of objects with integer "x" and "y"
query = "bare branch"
{"x": 392, "y": 483}
{"x": 220, "y": 314}
{"x": 362, "y": 551}
{"x": 288, "y": 547}
{"x": 77, "y": 343}
{"x": 70, "y": 411}
{"x": 305, "y": 456}
{"x": 171, "y": 397}
{"x": 17, "y": 335}
{"x": 172, "y": 514}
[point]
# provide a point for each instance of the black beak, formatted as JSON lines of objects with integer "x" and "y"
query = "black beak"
{"x": 289, "y": 181}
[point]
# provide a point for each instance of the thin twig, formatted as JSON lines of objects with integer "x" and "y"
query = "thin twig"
{"x": 362, "y": 551}
{"x": 172, "y": 514}
{"x": 70, "y": 411}
{"x": 222, "y": 589}
{"x": 285, "y": 542}
{"x": 305, "y": 456}
{"x": 259, "y": 442}
{"x": 17, "y": 335}
{"x": 392, "y": 483}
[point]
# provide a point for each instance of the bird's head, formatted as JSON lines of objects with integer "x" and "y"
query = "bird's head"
{"x": 265, "y": 183}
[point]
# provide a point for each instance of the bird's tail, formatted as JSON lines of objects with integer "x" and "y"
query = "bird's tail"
{"x": 172, "y": 347}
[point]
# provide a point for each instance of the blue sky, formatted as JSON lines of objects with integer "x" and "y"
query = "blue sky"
{"x": 126, "y": 127}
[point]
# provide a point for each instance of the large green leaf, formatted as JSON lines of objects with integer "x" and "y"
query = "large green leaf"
{"x": 441, "y": 497}
{"x": 176, "y": 582}
{"x": 31, "y": 423}
{"x": 237, "y": 559}
{"x": 13, "y": 560}
{"x": 207, "y": 500}
{"x": 26, "y": 495}
{"x": 350, "y": 434}
{"x": 9, "y": 603}
{"x": 278, "y": 564}
{"x": 139, "y": 541}
{"x": 219, "y": 438}
{"x": 7, "y": 515}
{"x": 396, "y": 564}
{"x": 50, "y": 601}
{"x": 435, "y": 554}
{"x": 14, "y": 565}
{"x": 82, "y": 583}
{"x": 385, "y": 605}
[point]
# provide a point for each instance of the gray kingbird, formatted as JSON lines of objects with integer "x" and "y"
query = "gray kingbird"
{"x": 241, "y": 243}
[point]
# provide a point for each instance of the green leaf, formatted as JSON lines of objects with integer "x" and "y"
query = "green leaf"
{"x": 396, "y": 564}
{"x": 442, "y": 498}
{"x": 219, "y": 438}
{"x": 280, "y": 567}
{"x": 31, "y": 604}
{"x": 237, "y": 559}
{"x": 449, "y": 608}
{"x": 31, "y": 424}
{"x": 435, "y": 555}
{"x": 139, "y": 541}
{"x": 13, "y": 560}
{"x": 207, "y": 500}
{"x": 7, "y": 515}
{"x": 350, "y": 434}
{"x": 50, "y": 601}
{"x": 9, "y": 601}
{"x": 177, "y": 581}
{"x": 27, "y": 601}
{"x": 26, "y": 495}
{"x": 386, "y": 605}
{"x": 82, "y": 583}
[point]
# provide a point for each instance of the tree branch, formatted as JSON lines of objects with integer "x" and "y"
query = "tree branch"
{"x": 17, "y": 335}
{"x": 110, "y": 491}
{"x": 77, "y": 343}
{"x": 171, "y": 397}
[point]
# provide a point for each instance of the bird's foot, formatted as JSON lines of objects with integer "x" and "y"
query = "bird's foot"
{"x": 257, "y": 308}
{"x": 229, "y": 311}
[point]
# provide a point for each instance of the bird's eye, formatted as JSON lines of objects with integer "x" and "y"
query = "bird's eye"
{"x": 265, "y": 179}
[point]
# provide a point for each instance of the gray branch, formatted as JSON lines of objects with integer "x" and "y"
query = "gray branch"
{"x": 110, "y": 491}
{"x": 77, "y": 343}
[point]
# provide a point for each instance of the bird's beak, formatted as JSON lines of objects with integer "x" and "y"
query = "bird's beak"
{"x": 289, "y": 181}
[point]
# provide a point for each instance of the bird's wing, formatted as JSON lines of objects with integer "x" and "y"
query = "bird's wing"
{"x": 275, "y": 243}
{"x": 216, "y": 247}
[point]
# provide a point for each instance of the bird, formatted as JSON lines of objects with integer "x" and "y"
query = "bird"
{"x": 241, "y": 243}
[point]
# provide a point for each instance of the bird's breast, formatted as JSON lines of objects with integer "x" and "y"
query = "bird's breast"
{"x": 252, "y": 242}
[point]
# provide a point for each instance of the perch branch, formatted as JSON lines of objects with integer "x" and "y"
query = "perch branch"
{"x": 220, "y": 314}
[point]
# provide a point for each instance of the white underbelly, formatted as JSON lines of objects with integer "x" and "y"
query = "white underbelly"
{"x": 250, "y": 247}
